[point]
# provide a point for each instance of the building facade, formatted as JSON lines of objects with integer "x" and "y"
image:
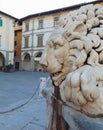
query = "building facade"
{"x": 23, "y": 44}
{"x": 6, "y": 39}
{"x": 17, "y": 46}
{"x": 36, "y": 29}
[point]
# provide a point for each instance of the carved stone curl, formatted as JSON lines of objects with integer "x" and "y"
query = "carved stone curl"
{"x": 74, "y": 57}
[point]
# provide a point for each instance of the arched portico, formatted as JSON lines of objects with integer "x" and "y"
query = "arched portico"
{"x": 29, "y": 62}
{"x": 2, "y": 60}
{"x": 26, "y": 62}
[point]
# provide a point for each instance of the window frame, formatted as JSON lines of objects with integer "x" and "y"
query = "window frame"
{"x": 27, "y": 26}
{"x": 26, "y": 42}
{"x": 56, "y": 19}
{"x": 40, "y": 24}
{"x": 40, "y": 40}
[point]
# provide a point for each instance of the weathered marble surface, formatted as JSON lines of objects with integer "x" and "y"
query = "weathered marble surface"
{"x": 78, "y": 121}
{"x": 74, "y": 57}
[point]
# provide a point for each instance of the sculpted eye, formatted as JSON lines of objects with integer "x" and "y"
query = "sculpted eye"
{"x": 56, "y": 46}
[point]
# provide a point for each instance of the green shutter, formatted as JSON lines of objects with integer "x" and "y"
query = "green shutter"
{"x": 1, "y": 22}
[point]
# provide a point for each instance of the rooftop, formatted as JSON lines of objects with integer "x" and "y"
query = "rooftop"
{"x": 59, "y": 10}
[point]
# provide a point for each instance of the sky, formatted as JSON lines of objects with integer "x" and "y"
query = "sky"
{"x": 22, "y": 8}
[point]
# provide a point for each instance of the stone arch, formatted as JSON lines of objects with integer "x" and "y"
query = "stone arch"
{"x": 2, "y": 60}
{"x": 27, "y": 57}
{"x": 26, "y": 62}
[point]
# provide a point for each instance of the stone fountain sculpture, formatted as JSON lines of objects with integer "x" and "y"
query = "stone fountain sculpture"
{"x": 74, "y": 57}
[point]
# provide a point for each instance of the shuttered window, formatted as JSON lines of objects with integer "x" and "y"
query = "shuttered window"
{"x": 1, "y": 22}
{"x": 40, "y": 24}
{"x": 56, "y": 19}
{"x": 27, "y": 42}
{"x": 27, "y": 26}
{"x": 40, "y": 40}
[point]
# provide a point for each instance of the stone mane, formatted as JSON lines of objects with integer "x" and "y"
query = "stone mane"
{"x": 83, "y": 29}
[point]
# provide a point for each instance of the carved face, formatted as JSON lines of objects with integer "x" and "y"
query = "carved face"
{"x": 55, "y": 58}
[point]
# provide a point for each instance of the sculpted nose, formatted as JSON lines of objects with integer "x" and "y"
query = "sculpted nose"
{"x": 43, "y": 63}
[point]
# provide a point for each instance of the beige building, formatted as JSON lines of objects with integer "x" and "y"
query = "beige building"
{"x": 36, "y": 29}
{"x": 6, "y": 39}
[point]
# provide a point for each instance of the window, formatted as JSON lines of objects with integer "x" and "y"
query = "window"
{"x": 27, "y": 26}
{"x": 27, "y": 42}
{"x": 40, "y": 40}
{"x": 1, "y": 22}
{"x": 15, "y": 43}
{"x": 14, "y": 52}
{"x": 15, "y": 33}
{"x": 56, "y": 19}
{"x": 40, "y": 24}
